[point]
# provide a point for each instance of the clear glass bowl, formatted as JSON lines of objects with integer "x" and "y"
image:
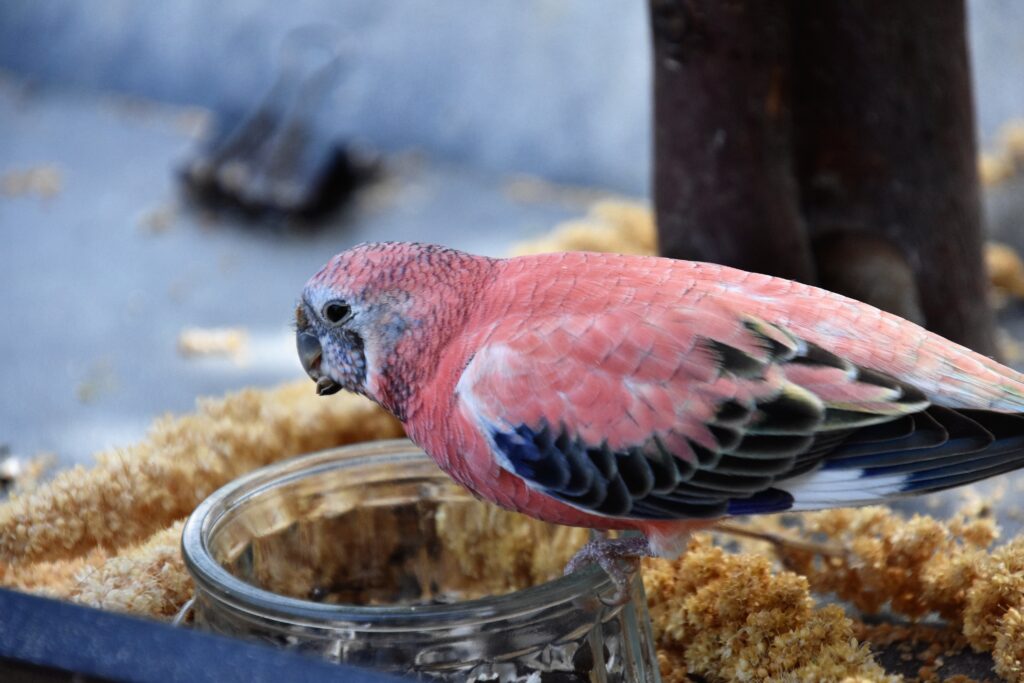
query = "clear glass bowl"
{"x": 370, "y": 555}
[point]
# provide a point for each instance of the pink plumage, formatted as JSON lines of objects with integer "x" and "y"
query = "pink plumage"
{"x": 645, "y": 393}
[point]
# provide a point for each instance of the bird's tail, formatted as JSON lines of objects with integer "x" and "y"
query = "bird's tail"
{"x": 933, "y": 450}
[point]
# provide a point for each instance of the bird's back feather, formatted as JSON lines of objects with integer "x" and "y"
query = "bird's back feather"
{"x": 646, "y": 389}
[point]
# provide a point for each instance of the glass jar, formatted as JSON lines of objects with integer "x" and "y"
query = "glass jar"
{"x": 370, "y": 555}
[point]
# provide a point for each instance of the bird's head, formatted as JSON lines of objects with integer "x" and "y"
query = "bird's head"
{"x": 373, "y": 320}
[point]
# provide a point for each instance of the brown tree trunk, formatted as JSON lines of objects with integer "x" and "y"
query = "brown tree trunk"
{"x": 885, "y": 144}
{"x": 723, "y": 183}
{"x": 828, "y": 141}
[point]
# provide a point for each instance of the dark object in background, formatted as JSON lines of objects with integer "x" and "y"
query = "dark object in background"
{"x": 276, "y": 162}
{"x": 785, "y": 130}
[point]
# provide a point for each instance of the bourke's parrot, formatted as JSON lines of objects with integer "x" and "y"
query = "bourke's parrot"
{"x": 627, "y": 392}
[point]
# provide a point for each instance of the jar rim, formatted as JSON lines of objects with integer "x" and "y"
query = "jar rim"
{"x": 211, "y": 577}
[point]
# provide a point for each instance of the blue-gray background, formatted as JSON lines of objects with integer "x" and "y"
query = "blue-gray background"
{"x": 554, "y": 87}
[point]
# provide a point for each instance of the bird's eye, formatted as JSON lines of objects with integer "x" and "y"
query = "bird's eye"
{"x": 336, "y": 311}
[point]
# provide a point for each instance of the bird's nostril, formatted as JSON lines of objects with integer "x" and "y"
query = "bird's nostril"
{"x": 310, "y": 352}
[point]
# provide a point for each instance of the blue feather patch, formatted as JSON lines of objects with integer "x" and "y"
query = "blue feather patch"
{"x": 528, "y": 460}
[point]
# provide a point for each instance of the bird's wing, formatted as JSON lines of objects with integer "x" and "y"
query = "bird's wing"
{"x": 667, "y": 414}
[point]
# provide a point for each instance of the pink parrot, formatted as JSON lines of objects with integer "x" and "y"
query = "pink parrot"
{"x": 650, "y": 394}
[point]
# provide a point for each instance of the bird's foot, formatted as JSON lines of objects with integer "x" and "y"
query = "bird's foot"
{"x": 618, "y": 557}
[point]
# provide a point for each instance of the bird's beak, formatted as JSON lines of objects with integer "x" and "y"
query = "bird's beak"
{"x": 310, "y": 354}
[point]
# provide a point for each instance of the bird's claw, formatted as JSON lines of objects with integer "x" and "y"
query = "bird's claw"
{"x": 618, "y": 557}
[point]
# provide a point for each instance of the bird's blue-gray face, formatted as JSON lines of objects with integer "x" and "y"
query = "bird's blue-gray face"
{"x": 374, "y": 319}
{"x": 330, "y": 342}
